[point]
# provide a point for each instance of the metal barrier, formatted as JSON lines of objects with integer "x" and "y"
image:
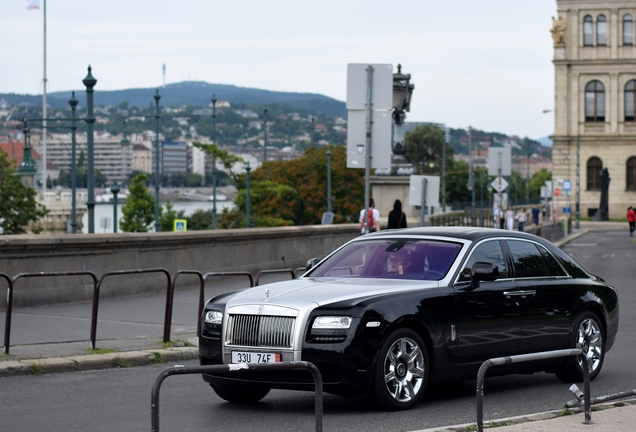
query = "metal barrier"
{"x": 530, "y": 357}
{"x": 262, "y": 272}
{"x": 7, "y": 321}
{"x": 168, "y": 314}
{"x": 600, "y": 399}
{"x": 202, "y": 279}
{"x": 179, "y": 370}
{"x": 298, "y": 270}
{"x": 7, "y": 330}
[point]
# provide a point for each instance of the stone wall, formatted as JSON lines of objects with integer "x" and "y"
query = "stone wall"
{"x": 224, "y": 250}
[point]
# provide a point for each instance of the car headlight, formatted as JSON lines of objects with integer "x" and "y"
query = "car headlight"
{"x": 214, "y": 317}
{"x": 332, "y": 322}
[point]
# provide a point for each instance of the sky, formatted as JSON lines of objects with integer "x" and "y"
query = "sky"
{"x": 485, "y": 64}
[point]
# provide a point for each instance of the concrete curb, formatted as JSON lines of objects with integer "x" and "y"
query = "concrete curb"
{"x": 97, "y": 361}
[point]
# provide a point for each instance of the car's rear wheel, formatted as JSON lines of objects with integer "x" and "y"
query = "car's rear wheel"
{"x": 401, "y": 371}
{"x": 588, "y": 336}
{"x": 240, "y": 394}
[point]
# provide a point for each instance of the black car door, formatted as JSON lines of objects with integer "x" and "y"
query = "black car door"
{"x": 488, "y": 320}
{"x": 541, "y": 290}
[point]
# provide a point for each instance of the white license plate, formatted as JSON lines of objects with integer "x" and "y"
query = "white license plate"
{"x": 255, "y": 357}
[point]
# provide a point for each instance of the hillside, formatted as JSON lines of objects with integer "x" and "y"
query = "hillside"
{"x": 196, "y": 93}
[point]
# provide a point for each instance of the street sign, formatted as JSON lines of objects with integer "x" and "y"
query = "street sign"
{"x": 380, "y": 136}
{"x": 432, "y": 190}
{"x": 381, "y": 86}
{"x": 500, "y": 200}
{"x": 499, "y": 161}
{"x": 557, "y": 191}
{"x": 567, "y": 185}
{"x": 567, "y": 210}
{"x": 499, "y": 184}
{"x": 179, "y": 225}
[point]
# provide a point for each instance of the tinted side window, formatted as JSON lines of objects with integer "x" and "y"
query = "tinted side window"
{"x": 528, "y": 260}
{"x": 490, "y": 252}
{"x": 555, "y": 268}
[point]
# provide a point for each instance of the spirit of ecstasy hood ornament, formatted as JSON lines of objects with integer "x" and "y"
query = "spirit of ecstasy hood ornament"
{"x": 267, "y": 295}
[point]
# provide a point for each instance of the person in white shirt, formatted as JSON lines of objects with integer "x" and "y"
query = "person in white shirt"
{"x": 374, "y": 224}
{"x": 510, "y": 218}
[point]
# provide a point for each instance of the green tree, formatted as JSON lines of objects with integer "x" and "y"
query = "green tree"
{"x": 139, "y": 210}
{"x": 168, "y": 215}
{"x": 227, "y": 159}
{"x": 17, "y": 203}
{"x": 424, "y": 147}
{"x": 538, "y": 179}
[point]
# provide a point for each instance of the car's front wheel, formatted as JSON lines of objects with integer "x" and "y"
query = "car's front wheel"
{"x": 588, "y": 336}
{"x": 401, "y": 371}
{"x": 240, "y": 394}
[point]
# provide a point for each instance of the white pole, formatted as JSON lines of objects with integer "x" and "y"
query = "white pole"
{"x": 44, "y": 111}
{"x": 367, "y": 171}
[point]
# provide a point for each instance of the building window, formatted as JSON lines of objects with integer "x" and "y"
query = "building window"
{"x": 630, "y": 97}
{"x": 594, "y": 167}
{"x": 628, "y": 30}
{"x": 631, "y": 174}
{"x": 588, "y": 31}
{"x": 595, "y": 102}
{"x": 601, "y": 30}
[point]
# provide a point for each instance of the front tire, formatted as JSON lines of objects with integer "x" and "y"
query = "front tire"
{"x": 588, "y": 336}
{"x": 240, "y": 394}
{"x": 401, "y": 371}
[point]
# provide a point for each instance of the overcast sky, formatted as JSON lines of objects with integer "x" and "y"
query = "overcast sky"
{"x": 483, "y": 63}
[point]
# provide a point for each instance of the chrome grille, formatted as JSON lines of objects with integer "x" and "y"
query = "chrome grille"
{"x": 260, "y": 331}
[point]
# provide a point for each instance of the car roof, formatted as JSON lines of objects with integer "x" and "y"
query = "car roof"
{"x": 468, "y": 233}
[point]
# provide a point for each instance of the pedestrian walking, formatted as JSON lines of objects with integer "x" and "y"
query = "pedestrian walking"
{"x": 510, "y": 218}
{"x": 521, "y": 219}
{"x": 631, "y": 218}
{"x": 374, "y": 218}
{"x": 536, "y": 211}
{"x": 397, "y": 218}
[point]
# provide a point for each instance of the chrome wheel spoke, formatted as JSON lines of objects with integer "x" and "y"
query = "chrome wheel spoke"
{"x": 404, "y": 370}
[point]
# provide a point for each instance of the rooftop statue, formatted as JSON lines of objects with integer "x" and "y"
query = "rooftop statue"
{"x": 558, "y": 31}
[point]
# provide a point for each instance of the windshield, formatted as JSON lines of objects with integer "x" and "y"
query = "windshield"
{"x": 391, "y": 259}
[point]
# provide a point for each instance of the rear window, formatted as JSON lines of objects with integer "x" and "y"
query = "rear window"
{"x": 391, "y": 259}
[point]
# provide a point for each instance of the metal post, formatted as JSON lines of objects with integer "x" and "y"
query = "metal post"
{"x": 44, "y": 116}
{"x": 528, "y": 177}
{"x": 329, "y": 181}
{"x": 578, "y": 183}
{"x": 90, "y": 82}
{"x": 423, "y": 202}
{"x": 481, "y": 197}
{"x": 265, "y": 135}
{"x": 214, "y": 162}
{"x": 157, "y": 177}
{"x": 444, "y": 173}
{"x": 115, "y": 190}
{"x": 73, "y": 103}
{"x": 248, "y": 221}
{"x": 367, "y": 170}
{"x": 471, "y": 178}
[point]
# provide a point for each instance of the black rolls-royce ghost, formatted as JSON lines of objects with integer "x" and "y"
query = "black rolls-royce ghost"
{"x": 389, "y": 312}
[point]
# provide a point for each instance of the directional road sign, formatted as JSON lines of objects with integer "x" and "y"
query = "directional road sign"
{"x": 499, "y": 184}
{"x": 567, "y": 185}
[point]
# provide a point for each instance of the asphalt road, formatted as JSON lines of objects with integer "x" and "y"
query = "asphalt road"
{"x": 119, "y": 399}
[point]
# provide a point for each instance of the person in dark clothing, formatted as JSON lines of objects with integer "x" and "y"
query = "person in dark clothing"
{"x": 397, "y": 218}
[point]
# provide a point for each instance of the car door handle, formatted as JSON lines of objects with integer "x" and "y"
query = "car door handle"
{"x": 522, "y": 293}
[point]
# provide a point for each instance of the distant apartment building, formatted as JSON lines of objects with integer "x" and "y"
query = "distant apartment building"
{"x": 142, "y": 158}
{"x": 197, "y": 158}
{"x": 174, "y": 158}
{"x": 110, "y": 157}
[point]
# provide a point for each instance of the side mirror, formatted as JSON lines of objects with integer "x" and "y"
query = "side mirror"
{"x": 483, "y": 271}
{"x": 312, "y": 263}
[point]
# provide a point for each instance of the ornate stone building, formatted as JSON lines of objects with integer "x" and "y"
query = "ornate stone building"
{"x": 595, "y": 100}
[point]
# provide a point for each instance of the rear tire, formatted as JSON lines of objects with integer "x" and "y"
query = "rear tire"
{"x": 401, "y": 371}
{"x": 588, "y": 336}
{"x": 240, "y": 394}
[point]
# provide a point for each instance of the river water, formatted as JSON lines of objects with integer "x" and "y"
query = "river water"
{"x": 104, "y": 213}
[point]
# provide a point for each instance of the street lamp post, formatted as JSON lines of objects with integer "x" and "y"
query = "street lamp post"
{"x": 90, "y": 82}
{"x": 248, "y": 222}
{"x": 577, "y": 204}
{"x": 214, "y": 162}
{"x": 157, "y": 222}
{"x": 329, "y": 181}
{"x": 471, "y": 180}
{"x": 28, "y": 168}
{"x": 115, "y": 190}
{"x": 265, "y": 135}
{"x": 73, "y": 103}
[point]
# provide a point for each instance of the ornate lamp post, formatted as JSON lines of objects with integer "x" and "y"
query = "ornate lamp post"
{"x": 125, "y": 141}
{"x": 248, "y": 222}
{"x": 329, "y": 181}
{"x": 265, "y": 135}
{"x": 214, "y": 162}
{"x": 73, "y": 103}
{"x": 115, "y": 190}
{"x": 157, "y": 186}
{"x": 28, "y": 168}
{"x": 90, "y": 82}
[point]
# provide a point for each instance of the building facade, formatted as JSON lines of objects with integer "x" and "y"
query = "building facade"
{"x": 595, "y": 97}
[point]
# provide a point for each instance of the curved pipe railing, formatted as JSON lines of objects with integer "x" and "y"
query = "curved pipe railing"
{"x": 262, "y": 272}
{"x": 168, "y": 313}
{"x": 7, "y": 318}
{"x": 7, "y": 330}
{"x": 201, "y": 289}
{"x": 180, "y": 370}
